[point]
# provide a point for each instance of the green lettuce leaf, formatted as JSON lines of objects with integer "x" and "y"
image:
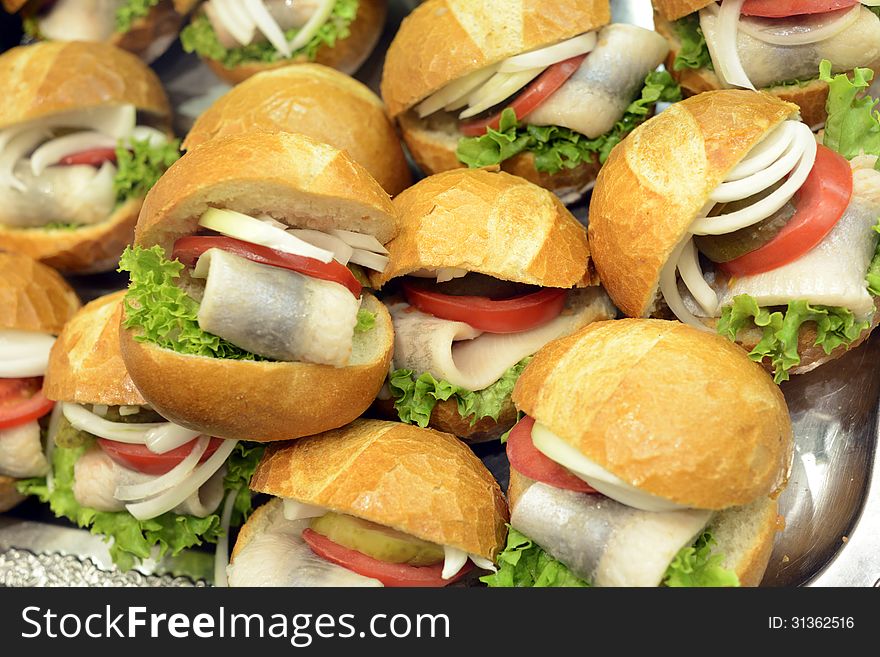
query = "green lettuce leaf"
{"x": 132, "y": 10}
{"x": 415, "y": 398}
{"x": 697, "y": 565}
{"x": 876, "y": 10}
{"x": 853, "y": 124}
{"x": 140, "y": 166}
{"x": 240, "y": 467}
{"x": 365, "y": 321}
{"x": 779, "y": 344}
{"x": 199, "y": 37}
{"x": 163, "y": 312}
{"x": 556, "y": 148}
{"x": 694, "y": 52}
{"x": 525, "y": 564}
{"x": 873, "y": 275}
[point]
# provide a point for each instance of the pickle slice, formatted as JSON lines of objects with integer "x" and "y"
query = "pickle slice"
{"x": 377, "y": 541}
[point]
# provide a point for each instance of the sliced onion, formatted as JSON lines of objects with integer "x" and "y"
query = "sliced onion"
{"x": 453, "y": 561}
{"x": 168, "y": 436}
{"x": 485, "y": 564}
{"x": 80, "y": 418}
{"x": 799, "y": 30}
{"x": 166, "y": 501}
{"x": 145, "y": 133}
{"x": 221, "y": 553}
{"x": 692, "y": 275}
{"x": 729, "y": 65}
{"x": 236, "y": 19}
{"x": 454, "y": 94}
{"x": 24, "y": 353}
{"x": 341, "y": 251}
{"x": 500, "y": 87}
{"x": 116, "y": 121}
{"x": 549, "y": 55}
{"x": 448, "y": 273}
{"x": 129, "y": 410}
{"x": 765, "y": 153}
{"x": 369, "y": 260}
{"x": 174, "y": 477}
{"x": 295, "y": 510}
{"x": 267, "y": 25}
{"x": 360, "y": 241}
{"x": 307, "y": 31}
{"x": 272, "y": 221}
{"x": 54, "y": 150}
{"x": 243, "y": 227}
{"x": 19, "y": 146}
{"x": 669, "y": 289}
{"x": 100, "y": 409}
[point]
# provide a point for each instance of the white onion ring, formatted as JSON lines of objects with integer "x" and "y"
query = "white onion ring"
{"x": 54, "y": 150}
{"x": 132, "y": 434}
{"x": 369, "y": 260}
{"x": 360, "y": 241}
{"x": 221, "y": 552}
{"x": 17, "y": 147}
{"x": 454, "y": 95}
{"x": 24, "y": 353}
{"x": 799, "y": 30}
{"x": 549, "y": 55}
{"x": 692, "y": 275}
{"x": 497, "y": 89}
{"x": 174, "y": 477}
{"x": 764, "y": 154}
{"x": 729, "y": 66}
{"x": 168, "y": 436}
{"x": 669, "y": 289}
{"x": 268, "y": 26}
{"x": 236, "y": 19}
{"x": 307, "y": 31}
{"x": 340, "y": 250}
{"x": 453, "y": 561}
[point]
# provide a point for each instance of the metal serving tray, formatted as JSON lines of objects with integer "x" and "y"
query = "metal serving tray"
{"x": 831, "y": 505}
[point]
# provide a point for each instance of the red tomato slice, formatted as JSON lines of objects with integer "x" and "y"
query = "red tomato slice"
{"x": 95, "y": 157}
{"x": 188, "y": 249}
{"x": 525, "y": 458}
{"x": 22, "y": 400}
{"x": 820, "y": 203}
{"x": 503, "y": 316}
{"x": 539, "y": 90}
{"x": 390, "y": 574}
{"x": 138, "y": 457}
{"x": 783, "y": 8}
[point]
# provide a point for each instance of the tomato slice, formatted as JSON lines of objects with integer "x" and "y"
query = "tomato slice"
{"x": 502, "y": 316}
{"x": 390, "y": 574}
{"x": 22, "y": 400}
{"x": 784, "y": 8}
{"x": 539, "y": 90}
{"x": 188, "y": 249}
{"x": 819, "y": 205}
{"x": 525, "y": 458}
{"x": 140, "y": 458}
{"x": 94, "y": 157}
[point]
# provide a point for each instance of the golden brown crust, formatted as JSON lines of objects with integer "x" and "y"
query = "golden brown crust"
{"x": 262, "y": 401}
{"x": 33, "y": 297}
{"x": 85, "y": 364}
{"x": 291, "y": 177}
{"x": 656, "y": 181}
{"x": 316, "y": 101}
{"x": 83, "y": 250}
{"x": 9, "y": 495}
{"x": 681, "y": 413}
{"x": 346, "y": 55}
{"x": 434, "y": 152}
{"x": 52, "y": 76}
{"x": 446, "y": 418}
{"x": 489, "y": 222}
{"x": 674, "y": 9}
{"x": 418, "y": 481}
{"x": 443, "y": 40}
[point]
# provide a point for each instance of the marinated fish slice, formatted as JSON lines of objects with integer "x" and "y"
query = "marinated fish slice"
{"x": 602, "y": 541}
{"x": 277, "y": 313}
{"x": 596, "y": 96}
{"x": 21, "y": 451}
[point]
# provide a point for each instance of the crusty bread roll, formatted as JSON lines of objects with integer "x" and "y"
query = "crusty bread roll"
{"x": 672, "y": 10}
{"x": 680, "y": 413}
{"x": 417, "y": 481}
{"x": 489, "y": 222}
{"x": 810, "y": 97}
{"x": 744, "y": 534}
{"x": 33, "y": 296}
{"x": 346, "y": 55}
{"x": 85, "y": 364}
{"x": 317, "y": 101}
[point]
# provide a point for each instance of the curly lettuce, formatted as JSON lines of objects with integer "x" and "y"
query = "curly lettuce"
{"x": 199, "y": 37}
{"x": 523, "y": 563}
{"x": 163, "y": 313}
{"x": 140, "y": 165}
{"x": 556, "y": 148}
{"x": 853, "y": 124}
{"x": 873, "y": 275}
{"x": 132, "y": 540}
{"x": 131, "y": 11}
{"x": 694, "y": 53}
{"x": 698, "y": 565}
{"x": 416, "y": 397}
{"x": 365, "y": 321}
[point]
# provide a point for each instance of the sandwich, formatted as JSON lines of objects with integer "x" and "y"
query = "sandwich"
{"x": 120, "y": 469}
{"x": 486, "y": 270}
{"x": 724, "y": 211}
{"x": 771, "y": 45}
{"x": 357, "y": 506}
{"x": 544, "y": 89}
{"x": 143, "y": 27}
{"x": 649, "y": 454}
{"x": 246, "y": 316}
{"x": 84, "y": 133}
{"x": 316, "y": 101}
{"x": 237, "y": 39}
{"x": 36, "y": 304}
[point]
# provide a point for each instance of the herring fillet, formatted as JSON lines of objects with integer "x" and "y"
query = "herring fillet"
{"x": 767, "y": 64}
{"x": 275, "y": 312}
{"x": 611, "y": 76}
{"x": 602, "y": 541}
{"x": 21, "y": 451}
